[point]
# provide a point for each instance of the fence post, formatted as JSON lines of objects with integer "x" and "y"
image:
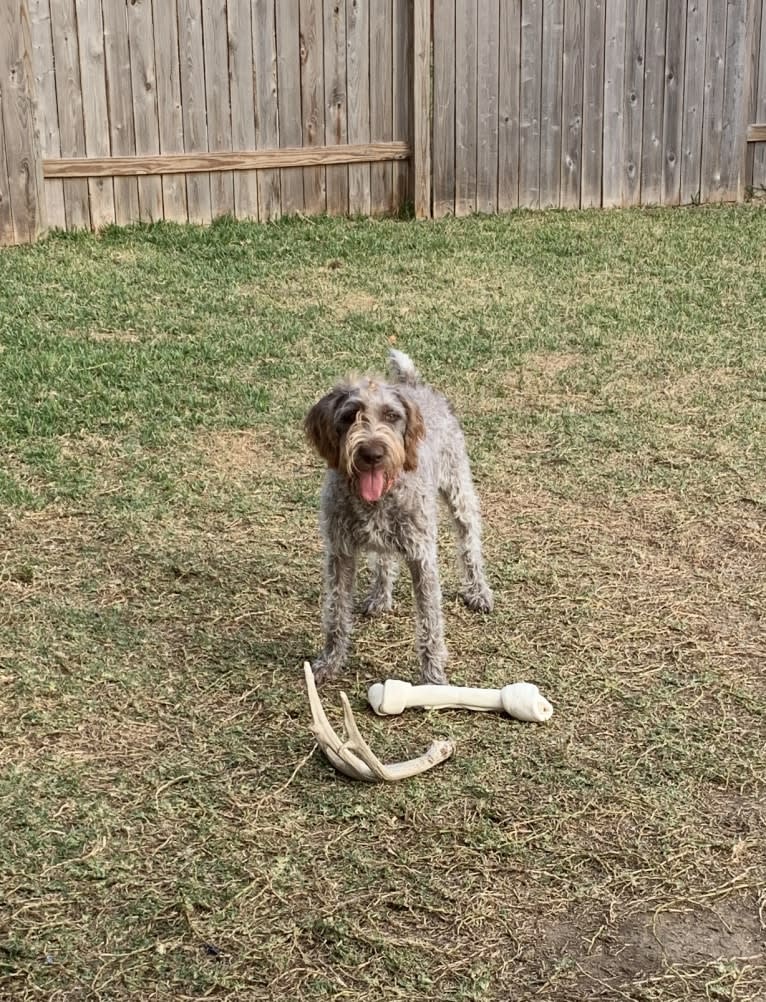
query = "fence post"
{"x": 22, "y": 198}
{"x": 422, "y": 102}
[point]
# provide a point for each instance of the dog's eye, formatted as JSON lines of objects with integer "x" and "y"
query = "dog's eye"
{"x": 347, "y": 417}
{"x": 390, "y": 417}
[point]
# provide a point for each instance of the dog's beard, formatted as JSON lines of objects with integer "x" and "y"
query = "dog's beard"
{"x": 372, "y": 484}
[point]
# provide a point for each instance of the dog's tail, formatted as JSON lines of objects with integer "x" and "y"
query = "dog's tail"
{"x": 403, "y": 368}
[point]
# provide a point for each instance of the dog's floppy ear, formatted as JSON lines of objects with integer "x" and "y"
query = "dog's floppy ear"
{"x": 414, "y": 432}
{"x": 320, "y": 426}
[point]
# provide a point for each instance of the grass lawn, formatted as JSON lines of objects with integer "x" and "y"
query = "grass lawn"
{"x": 166, "y": 832}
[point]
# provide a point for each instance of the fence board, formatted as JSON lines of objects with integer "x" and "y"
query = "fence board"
{"x": 358, "y": 81}
{"x": 266, "y": 118}
{"x": 734, "y": 127}
{"x": 241, "y": 75}
{"x": 381, "y": 101}
{"x": 672, "y": 120}
{"x": 712, "y": 118}
{"x": 336, "y": 114}
{"x": 444, "y": 108}
{"x": 403, "y": 95}
{"x": 593, "y": 102}
{"x": 289, "y": 98}
{"x": 144, "y": 90}
{"x": 312, "y": 101}
{"x": 508, "y": 105}
{"x": 758, "y": 179}
{"x": 218, "y": 103}
{"x": 66, "y": 61}
{"x": 47, "y": 117}
{"x": 530, "y": 91}
{"x": 7, "y": 232}
{"x": 572, "y": 104}
{"x": 487, "y": 31}
{"x": 465, "y": 106}
{"x": 193, "y": 108}
{"x": 421, "y": 111}
{"x": 614, "y": 105}
{"x": 694, "y": 100}
{"x": 551, "y": 103}
{"x": 171, "y": 126}
{"x": 635, "y": 54}
{"x": 22, "y": 177}
{"x": 654, "y": 97}
{"x": 90, "y": 28}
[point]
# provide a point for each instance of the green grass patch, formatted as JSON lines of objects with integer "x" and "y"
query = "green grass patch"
{"x": 165, "y": 831}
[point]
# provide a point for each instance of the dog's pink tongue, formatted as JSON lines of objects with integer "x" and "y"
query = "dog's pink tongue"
{"x": 372, "y": 484}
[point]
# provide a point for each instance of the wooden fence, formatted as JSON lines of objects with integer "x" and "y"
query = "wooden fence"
{"x": 123, "y": 110}
{"x": 574, "y": 103}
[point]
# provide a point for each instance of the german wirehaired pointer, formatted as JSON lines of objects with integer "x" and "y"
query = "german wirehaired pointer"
{"x": 392, "y": 449}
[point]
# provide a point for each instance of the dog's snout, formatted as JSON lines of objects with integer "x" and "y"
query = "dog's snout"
{"x": 371, "y": 453}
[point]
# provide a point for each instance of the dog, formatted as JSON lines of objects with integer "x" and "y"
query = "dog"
{"x": 392, "y": 450}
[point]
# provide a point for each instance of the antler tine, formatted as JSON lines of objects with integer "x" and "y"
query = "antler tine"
{"x": 357, "y": 742}
{"x": 335, "y": 750}
{"x": 437, "y": 752}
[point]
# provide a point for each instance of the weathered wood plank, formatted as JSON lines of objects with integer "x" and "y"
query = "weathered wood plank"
{"x": 635, "y": 55}
{"x": 336, "y": 115}
{"x": 529, "y": 103}
{"x": 758, "y": 178}
{"x": 734, "y": 126}
{"x": 381, "y": 102}
{"x": 487, "y": 93}
{"x": 122, "y": 135}
{"x": 751, "y": 98}
{"x": 266, "y": 116}
{"x": 403, "y": 93}
{"x": 422, "y": 49}
{"x": 694, "y": 100}
{"x": 218, "y": 103}
{"x": 654, "y": 98}
{"x": 312, "y": 101}
{"x": 593, "y": 103}
{"x": 241, "y": 77}
{"x": 572, "y": 104}
{"x": 289, "y": 98}
{"x": 95, "y": 105}
{"x": 20, "y": 135}
{"x": 47, "y": 112}
{"x": 193, "y": 108}
{"x": 66, "y": 58}
{"x": 171, "y": 125}
{"x": 711, "y": 188}
{"x": 508, "y": 105}
{"x": 444, "y": 108}
{"x": 358, "y": 80}
{"x": 144, "y": 89}
{"x": 614, "y": 104}
{"x": 187, "y": 163}
{"x": 7, "y": 232}
{"x": 466, "y": 81}
{"x": 672, "y": 119}
{"x": 551, "y": 103}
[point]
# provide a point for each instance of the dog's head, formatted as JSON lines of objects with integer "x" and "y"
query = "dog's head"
{"x": 368, "y": 430}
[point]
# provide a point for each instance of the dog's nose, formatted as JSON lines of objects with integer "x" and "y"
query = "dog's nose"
{"x": 371, "y": 454}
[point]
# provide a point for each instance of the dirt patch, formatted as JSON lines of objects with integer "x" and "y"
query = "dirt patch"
{"x": 642, "y": 945}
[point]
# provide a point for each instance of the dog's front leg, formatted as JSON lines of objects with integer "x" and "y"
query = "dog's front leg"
{"x": 429, "y": 624}
{"x": 340, "y": 570}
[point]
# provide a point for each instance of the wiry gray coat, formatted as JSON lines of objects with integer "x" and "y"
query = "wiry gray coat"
{"x": 392, "y": 450}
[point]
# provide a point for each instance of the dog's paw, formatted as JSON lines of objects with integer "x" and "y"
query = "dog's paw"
{"x": 479, "y": 599}
{"x": 324, "y": 669}
{"x": 376, "y": 605}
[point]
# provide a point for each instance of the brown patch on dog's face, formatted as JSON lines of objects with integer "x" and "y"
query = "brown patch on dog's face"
{"x": 321, "y": 425}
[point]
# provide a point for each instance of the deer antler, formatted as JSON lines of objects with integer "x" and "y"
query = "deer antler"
{"x": 354, "y": 757}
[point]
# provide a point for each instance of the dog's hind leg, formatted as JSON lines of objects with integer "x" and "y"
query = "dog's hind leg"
{"x": 385, "y": 570}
